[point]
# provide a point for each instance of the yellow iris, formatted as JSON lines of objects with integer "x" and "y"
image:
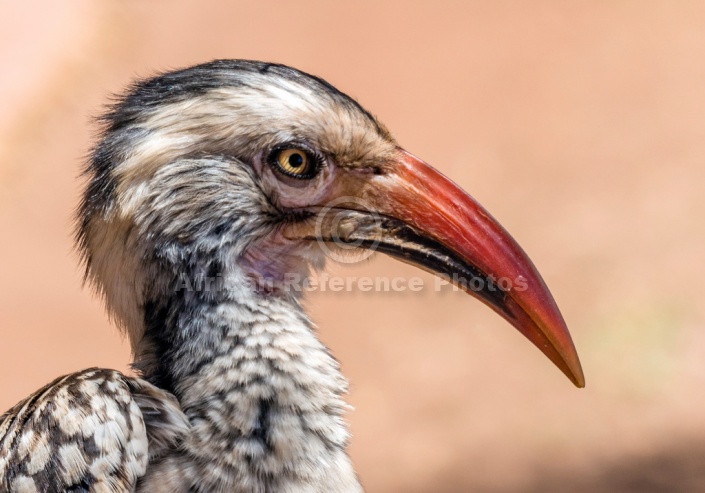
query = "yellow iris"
{"x": 294, "y": 162}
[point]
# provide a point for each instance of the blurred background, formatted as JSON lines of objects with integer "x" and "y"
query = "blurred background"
{"x": 579, "y": 125}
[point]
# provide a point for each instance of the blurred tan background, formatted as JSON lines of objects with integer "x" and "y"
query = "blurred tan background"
{"x": 579, "y": 125}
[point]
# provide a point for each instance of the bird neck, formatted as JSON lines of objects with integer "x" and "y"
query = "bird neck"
{"x": 250, "y": 374}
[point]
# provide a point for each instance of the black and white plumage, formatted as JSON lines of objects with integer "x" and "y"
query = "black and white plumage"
{"x": 94, "y": 430}
{"x": 203, "y": 202}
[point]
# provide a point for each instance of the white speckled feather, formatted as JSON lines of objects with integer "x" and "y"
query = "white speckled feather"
{"x": 83, "y": 432}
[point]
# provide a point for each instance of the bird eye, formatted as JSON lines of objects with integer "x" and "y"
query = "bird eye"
{"x": 295, "y": 162}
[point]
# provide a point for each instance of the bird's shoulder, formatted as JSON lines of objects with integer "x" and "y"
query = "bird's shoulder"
{"x": 90, "y": 431}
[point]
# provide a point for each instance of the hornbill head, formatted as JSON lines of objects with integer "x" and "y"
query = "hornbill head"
{"x": 233, "y": 163}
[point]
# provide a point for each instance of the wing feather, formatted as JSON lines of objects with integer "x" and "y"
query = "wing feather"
{"x": 90, "y": 431}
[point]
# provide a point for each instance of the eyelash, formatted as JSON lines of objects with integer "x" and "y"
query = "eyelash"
{"x": 317, "y": 160}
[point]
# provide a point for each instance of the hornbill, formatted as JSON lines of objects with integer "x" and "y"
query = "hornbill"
{"x": 223, "y": 171}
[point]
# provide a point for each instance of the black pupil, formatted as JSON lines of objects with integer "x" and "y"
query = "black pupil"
{"x": 296, "y": 160}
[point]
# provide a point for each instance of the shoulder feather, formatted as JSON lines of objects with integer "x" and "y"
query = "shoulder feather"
{"x": 90, "y": 431}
